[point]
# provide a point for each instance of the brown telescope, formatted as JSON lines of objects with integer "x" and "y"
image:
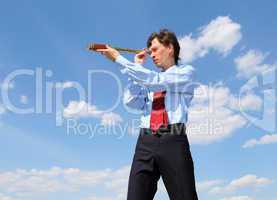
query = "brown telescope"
{"x": 97, "y": 46}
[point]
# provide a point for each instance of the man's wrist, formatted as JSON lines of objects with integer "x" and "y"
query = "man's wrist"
{"x": 115, "y": 58}
{"x": 121, "y": 60}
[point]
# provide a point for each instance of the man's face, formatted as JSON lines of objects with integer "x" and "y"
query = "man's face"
{"x": 160, "y": 54}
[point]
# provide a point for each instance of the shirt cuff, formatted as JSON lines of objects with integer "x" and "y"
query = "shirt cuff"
{"x": 121, "y": 60}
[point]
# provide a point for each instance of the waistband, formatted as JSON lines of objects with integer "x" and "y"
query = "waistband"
{"x": 174, "y": 129}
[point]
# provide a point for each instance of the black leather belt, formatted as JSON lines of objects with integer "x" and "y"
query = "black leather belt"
{"x": 174, "y": 129}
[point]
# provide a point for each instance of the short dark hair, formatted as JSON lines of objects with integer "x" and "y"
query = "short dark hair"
{"x": 166, "y": 38}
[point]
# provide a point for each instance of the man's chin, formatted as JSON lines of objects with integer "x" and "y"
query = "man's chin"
{"x": 158, "y": 65}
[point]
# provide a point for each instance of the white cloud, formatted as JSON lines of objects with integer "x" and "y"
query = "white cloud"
{"x": 81, "y": 109}
{"x": 215, "y": 113}
{"x": 108, "y": 119}
{"x": 251, "y": 64}
{"x": 119, "y": 182}
{"x": 4, "y": 197}
{"x": 238, "y": 198}
{"x": 221, "y": 35}
{"x": 206, "y": 185}
{"x": 78, "y": 109}
{"x": 246, "y": 181}
{"x": 30, "y": 183}
{"x": 248, "y": 101}
{"x": 266, "y": 139}
{"x": 34, "y": 183}
{"x": 264, "y": 85}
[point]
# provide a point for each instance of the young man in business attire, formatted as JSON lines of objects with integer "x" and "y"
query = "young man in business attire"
{"x": 162, "y": 148}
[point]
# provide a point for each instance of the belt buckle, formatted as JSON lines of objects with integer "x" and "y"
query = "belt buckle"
{"x": 173, "y": 129}
{"x": 163, "y": 130}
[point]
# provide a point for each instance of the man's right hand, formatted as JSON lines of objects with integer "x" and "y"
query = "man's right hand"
{"x": 140, "y": 58}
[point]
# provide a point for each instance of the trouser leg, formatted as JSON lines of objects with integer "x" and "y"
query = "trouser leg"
{"x": 176, "y": 167}
{"x": 144, "y": 173}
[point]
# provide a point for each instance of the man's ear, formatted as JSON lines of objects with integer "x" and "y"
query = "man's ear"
{"x": 171, "y": 48}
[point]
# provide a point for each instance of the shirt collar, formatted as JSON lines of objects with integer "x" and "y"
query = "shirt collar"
{"x": 170, "y": 68}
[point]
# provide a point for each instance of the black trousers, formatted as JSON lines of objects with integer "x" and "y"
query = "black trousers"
{"x": 165, "y": 155}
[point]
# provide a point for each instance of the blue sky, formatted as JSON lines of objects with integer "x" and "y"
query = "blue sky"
{"x": 229, "y": 43}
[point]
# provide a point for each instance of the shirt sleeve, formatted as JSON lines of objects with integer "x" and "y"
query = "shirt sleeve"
{"x": 135, "y": 96}
{"x": 181, "y": 79}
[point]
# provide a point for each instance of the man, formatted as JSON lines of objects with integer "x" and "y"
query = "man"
{"x": 163, "y": 97}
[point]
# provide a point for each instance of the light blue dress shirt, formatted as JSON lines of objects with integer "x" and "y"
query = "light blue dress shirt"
{"x": 177, "y": 81}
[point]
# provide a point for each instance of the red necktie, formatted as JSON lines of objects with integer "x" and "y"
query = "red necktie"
{"x": 159, "y": 115}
